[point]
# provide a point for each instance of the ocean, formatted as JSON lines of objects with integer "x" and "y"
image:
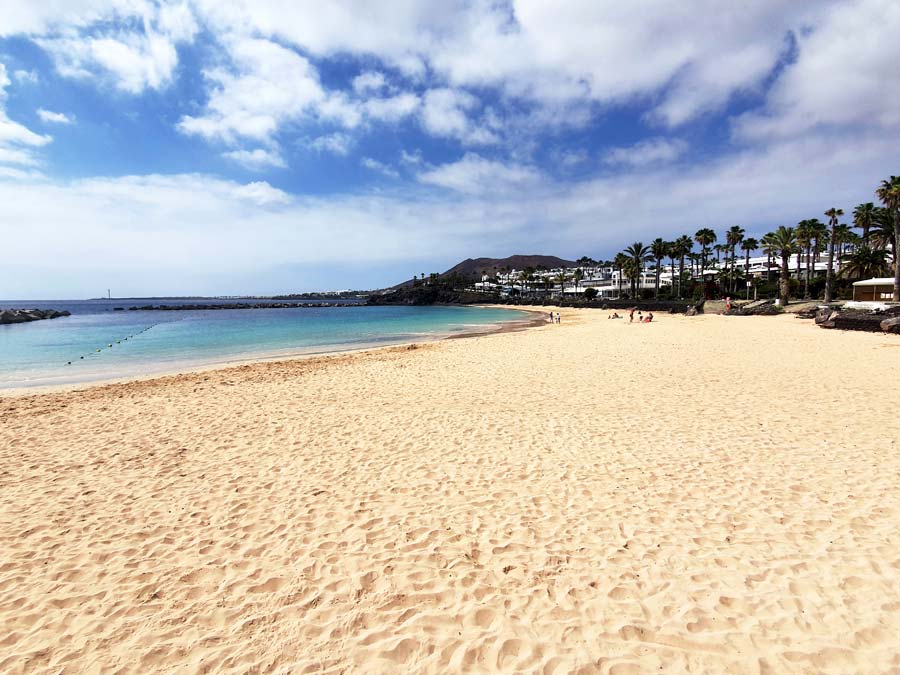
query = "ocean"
{"x": 99, "y": 343}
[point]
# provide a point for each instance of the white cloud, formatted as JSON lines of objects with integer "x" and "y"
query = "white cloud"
{"x": 337, "y": 143}
{"x": 53, "y": 117}
{"x": 139, "y": 54}
{"x": 845, "y": 69}
{"x": 413, "y": 158}
{"x": 257, "y": 159}
{"x": 26, "y": 76}
{"x": 273, "y": 86}
{"x": 446, "y": 113}
{"x": 17, "y": 142}
{"x": 474, "y": 174}
{"x": 380, "y": 167}
{"x": 647, "y": 152}
{"x": 369, "y": 81}
{"x": 262, "y": 194}
{"x": 15, "y": 156}
{"x": 391, "y": 109}
{"x": 571, "y": 158}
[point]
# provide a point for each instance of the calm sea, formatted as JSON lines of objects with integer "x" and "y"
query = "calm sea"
{"x": 149, "y": 342}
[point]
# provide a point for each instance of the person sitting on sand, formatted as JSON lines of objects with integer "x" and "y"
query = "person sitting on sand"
{"x": 631, "y": 316}
{"x": 649, "y": 317}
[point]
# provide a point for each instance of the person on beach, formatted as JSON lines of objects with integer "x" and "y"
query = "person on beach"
{"x": 649, "y": 317}
{"x": 557, "y": 317}
{"x": 551, "y": 318}
{"x": 631, "y": 316}
{"x": 640, "y": 317}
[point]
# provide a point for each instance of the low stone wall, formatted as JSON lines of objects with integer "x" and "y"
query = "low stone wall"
{"x": 26, "y": 315}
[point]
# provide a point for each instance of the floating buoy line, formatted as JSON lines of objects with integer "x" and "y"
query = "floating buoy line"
{"x": 118, "y": 342}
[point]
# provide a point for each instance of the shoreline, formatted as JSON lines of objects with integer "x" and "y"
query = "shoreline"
{"x": 512, "y": 325}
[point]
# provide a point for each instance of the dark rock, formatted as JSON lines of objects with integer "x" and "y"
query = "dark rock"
{"x": 24, "y": 315}
{"x": 891, "y": 325}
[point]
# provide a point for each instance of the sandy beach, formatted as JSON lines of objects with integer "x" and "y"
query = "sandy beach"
{"x": 710, "y": 494}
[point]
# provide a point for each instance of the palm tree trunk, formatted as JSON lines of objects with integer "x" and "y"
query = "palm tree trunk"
{"x": 784, "y": 290}
{"x": 733, "y": 281}
{"x": 806, "y": 285}
{"x": 829, "y": 272}
{"x": 895, "y": 249}
{"x": 680, "y": 275}
{"x": 702, "y": 277}
{"x": 747, "y": 272}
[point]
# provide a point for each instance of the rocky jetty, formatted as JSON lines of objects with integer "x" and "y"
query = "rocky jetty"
{"x": 237, "y": 305}
{"x": 26, "y": 315}
{"x": 430, "y": 295}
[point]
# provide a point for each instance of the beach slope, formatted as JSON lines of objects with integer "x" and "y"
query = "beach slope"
{"x": 714, "y": 494}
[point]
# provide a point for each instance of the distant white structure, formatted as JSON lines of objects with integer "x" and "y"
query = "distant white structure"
{"x": 874, "y": 290}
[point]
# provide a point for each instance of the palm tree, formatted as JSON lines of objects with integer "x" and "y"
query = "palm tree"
{"x": 672, "y": 250}
{"x": 805, "y": 238}
{"x": 845, "y": 238}
{"x": 748, "y": 244}
{"x": 525, "y": 277}
{"x": 659, "y": 249}
{"x": 733, "y": 237}
{"x": 833, "y": 215}
{"x": 562, "y": 277}
{"x": 704, "y": 236}
{"x": 864, "y": 218}
{"x": 683, "y": 244}
{"x": 719, "y": 249}
{"x": 638, "y": 254}
{"x": 889, "y": 194}
{"x": 578, "y": 276}
{"x": 784, "y": 242}
{"x": 619, "y": 264}
{"x": 865, "y": 262}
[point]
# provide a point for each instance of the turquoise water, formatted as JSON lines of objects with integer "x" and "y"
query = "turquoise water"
{"x": 148, "y": 342}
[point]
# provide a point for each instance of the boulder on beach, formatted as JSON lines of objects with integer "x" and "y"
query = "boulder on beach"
{"x": 891, "y": 325}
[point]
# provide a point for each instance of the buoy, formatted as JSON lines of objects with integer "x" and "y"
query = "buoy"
{"x": 82, "y": 358}
{"x": 98, "y": 350}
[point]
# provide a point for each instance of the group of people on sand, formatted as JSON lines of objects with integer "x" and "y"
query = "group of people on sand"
{"x": 554, "y": 317}
{"x": 640, "y": 316}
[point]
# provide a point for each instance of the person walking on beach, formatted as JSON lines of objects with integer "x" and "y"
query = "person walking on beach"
{"x": 631, "y": 315}
{"x": 557, "y": 317}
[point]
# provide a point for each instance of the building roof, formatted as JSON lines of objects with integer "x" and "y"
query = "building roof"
{"x": 883, "y": 281}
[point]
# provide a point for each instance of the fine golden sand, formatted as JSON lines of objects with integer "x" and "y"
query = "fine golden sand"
{"x": 714, "y": 494}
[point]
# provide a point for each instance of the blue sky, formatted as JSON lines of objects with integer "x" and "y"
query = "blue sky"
{"x": 200, "y": 147}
